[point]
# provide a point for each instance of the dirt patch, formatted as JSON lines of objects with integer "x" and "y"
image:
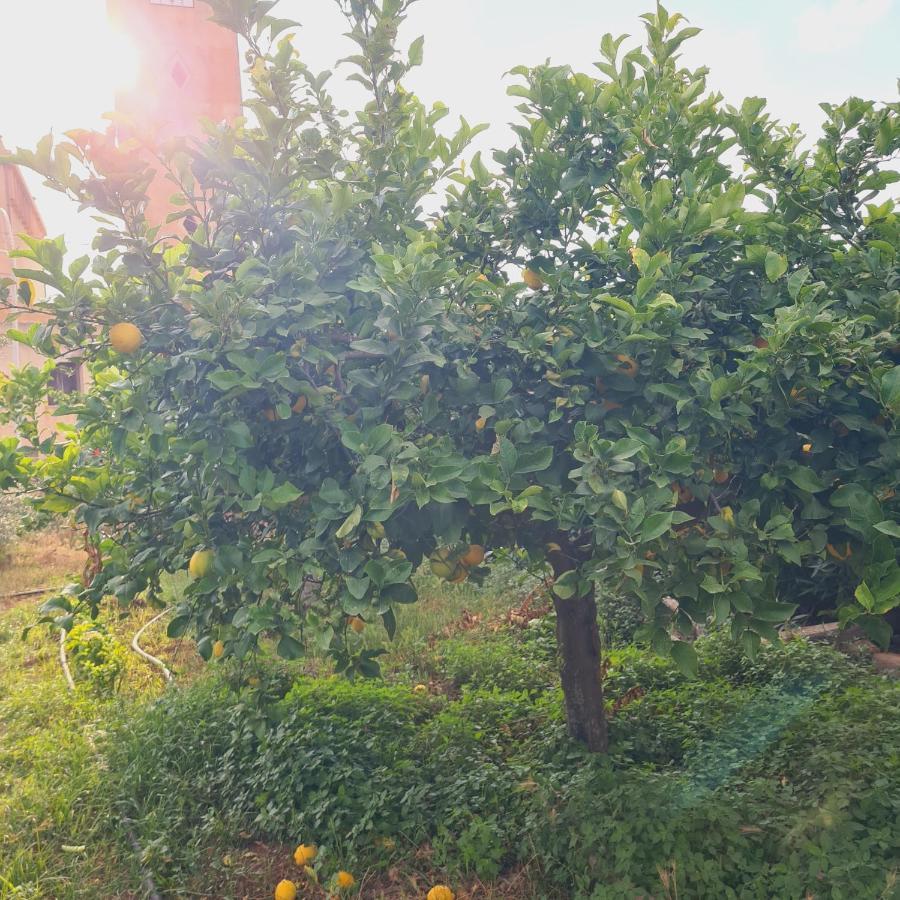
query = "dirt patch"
{"x": 46, "y": 558}
{"x": 251, "y": 873}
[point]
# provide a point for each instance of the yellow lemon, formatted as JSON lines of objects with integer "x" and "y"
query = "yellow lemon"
{"x": 728, "y": 514}
{"x": 481, "y": 277}
{"x": 201, "y": 563}
{"x": 218, "y": 650}
{"x": 474, "y": 556}
{"x": 304, "y": 854}
{"x": 480, "y": 422}
{"x": 440, "y": 892}
{"x": 125, "y": 337}
{"x": 286, "y": 890}
{"x": 627, "y": 365}
{"x": 532, "y": 279}
{"x": 269, "y": 414}
{"x": 807, "y": 448}
{"x": 420, "y": 689}
{"x": 720, "y": 476}
{"x": 459, "y": 575}
{"x": 424, "y": 383}
{"x": 356, "y": 623}
{"x": 345, "y": 879}
{"x": 27, "y": 291}
{"x": 300, "y": 404}
{"x": 440, "y": 563}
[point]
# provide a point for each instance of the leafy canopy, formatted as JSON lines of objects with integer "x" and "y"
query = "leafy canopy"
{"x": 697, "y": 396}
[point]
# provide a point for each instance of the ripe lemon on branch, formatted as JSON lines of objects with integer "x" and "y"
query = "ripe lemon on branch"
{"x": 125, "y": 337}
{"x": 201, "y": 563}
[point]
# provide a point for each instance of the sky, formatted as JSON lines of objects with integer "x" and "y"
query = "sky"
{"x": 796, "y": 53}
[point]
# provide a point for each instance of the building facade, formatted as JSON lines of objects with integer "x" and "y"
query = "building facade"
{"x": 188, "y": 71}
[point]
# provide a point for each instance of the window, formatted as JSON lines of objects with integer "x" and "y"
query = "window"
{"x": 66, "y": 377}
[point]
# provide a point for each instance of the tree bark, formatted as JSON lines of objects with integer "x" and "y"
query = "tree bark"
{"x": 578, "y": 639}
{"x": 579, "y": 650}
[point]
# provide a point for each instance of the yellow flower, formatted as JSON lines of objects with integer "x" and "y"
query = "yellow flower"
{"x": 286, "y": 890}
{"x": 305, "y": 854}
{"x": 345, "y": 879}
{"x": 440, "y": 892}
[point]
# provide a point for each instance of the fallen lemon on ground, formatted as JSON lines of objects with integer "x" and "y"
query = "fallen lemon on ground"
{"x": 345, "y": 879}
{"x": 201, "y": 563}
{"x": 125, "y": 337}
{"x": 440, "y": 892}
{"x": 286, "y": 890}
{"x": 304, "y": 854}
{"x": 420, "y": 689}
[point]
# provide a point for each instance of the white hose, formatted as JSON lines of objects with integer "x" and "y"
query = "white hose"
{"x": 144, "y": 654}
{"x": 146, "y": 878}
{"x": 64, "y": 661}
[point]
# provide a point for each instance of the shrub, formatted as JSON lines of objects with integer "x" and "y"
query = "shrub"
{"x": 13, "y": 512}
{"x": 96, "y": 656}
{"x": 492, "y": 662}
{"x": 766, "y": 780}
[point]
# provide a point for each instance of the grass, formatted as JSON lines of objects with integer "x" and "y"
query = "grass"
{"x": 781, "y": 774}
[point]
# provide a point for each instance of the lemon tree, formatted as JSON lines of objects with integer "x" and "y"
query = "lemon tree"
{"x": 653, "y": 350}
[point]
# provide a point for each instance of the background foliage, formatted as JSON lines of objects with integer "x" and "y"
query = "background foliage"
{"x": 692, "y": 392}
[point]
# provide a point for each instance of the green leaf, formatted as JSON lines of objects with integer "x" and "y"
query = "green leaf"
{"x": 565, "y": 586}
{"x": 289, "y": 648}
{"x": 890, "y": 388}
{"x": 773, "y": 611}
{"x": 349, "y": 523}
{"x": 534, "y": 460}
{"x": 416, "y": 54}
{"x": 685, "y": 657}
{"x": 888, "y": 527}
{"x": 655, "y": 525}
{"x": 776, "y": 265}
{"x": 178, "y": 626}
{"x": 806, "y": 479}
{"x": 877, "y": 629}
{"x": 357, "y": 586}
{"x": 865, "y": 597}
{"x": 400, "y": 593}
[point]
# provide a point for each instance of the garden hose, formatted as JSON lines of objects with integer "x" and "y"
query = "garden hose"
{"x": 146, "y": 878}
{"x": 144, "y": 654}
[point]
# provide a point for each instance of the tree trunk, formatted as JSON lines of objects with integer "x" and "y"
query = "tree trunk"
{"x": 579, "y": 650}
{"x": 578, "y": 639}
